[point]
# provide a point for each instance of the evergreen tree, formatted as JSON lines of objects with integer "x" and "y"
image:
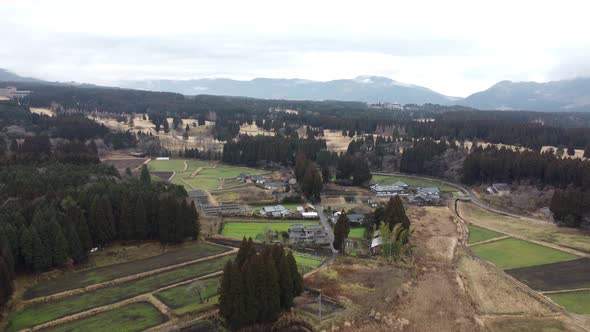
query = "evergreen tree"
{"x": 361, "y": 172}
{"x": 249, "y": 287}
{"x": 145, "y": 177}
{"x": 126, "y": 221}
{"x": 140, "y": 220}
{"x": 587, "y": 151}
{"x": 312, "y": 184}
{"x": 341, "y": 230}
{"x": 272, "y": 290}
{"x": 571, "y": 150}
{"x": 285, "y": 282}
{"x": 101, "y": 220}
{"x": 295, "y": 275}
{"x": 395, "y": 213}
{"x": 75, "y": 250}
{"x": 40, "y": 256}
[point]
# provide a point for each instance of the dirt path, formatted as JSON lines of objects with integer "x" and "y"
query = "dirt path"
{"x": 488, "y": 241}
{"x": 193, "y": 174}
{"x": 117, "y": 281}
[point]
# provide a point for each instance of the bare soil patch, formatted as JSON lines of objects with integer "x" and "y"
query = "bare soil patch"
{"x": 557, "y": 276}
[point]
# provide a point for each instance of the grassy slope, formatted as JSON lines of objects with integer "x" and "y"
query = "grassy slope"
{"x": 238, "y": 230}
{"x": 307, "y": 261}
{"x": 566, "y": 237}
{"x": 102, "y": 274}
{"x": 133, "y": 317}
{"x": 478, "y": 234}
{"x": 47, "y": 311}
{"x": 512, "y": 253}
{"x": 577, "y": 302}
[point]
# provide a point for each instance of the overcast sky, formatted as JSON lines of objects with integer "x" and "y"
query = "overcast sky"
{"x": 452, "y": 47}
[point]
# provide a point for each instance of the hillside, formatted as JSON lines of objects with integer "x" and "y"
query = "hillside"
{"x": 9, "y": 76}
{"x": 363, "y": 88}
{"x": 565, "y": 95}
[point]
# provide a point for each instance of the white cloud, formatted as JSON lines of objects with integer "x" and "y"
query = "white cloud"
{"x": 453, "y": 47}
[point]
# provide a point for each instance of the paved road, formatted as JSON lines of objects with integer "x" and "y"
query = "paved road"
{"x": 326, "y": 225}
{"x": 469, "y": 195}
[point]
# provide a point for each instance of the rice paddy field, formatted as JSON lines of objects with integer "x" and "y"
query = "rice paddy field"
{"x": 191, "y": 297}
{"x": 133, "y": 317}
{"x": 43, "y": 312}
{"x": 576, "y": 302}
{"x": 411, "y": 181}
{"x": 239, "y": 230}
{"x": 85, "y": 278}
{"x": 207, "y": 177}
{"x": 478, "y": 234}
{"x": 514, "y": 253}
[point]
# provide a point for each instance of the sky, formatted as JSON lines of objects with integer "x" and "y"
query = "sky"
{"x": 453, "y": 47}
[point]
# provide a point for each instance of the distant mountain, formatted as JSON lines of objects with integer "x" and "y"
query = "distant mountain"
{"x": 371, "y": 89}
{"x": 8, "y": 76}
{"x": 565, "y": 95}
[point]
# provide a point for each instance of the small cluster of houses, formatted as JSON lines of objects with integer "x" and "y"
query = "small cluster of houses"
{"x": 268, "y": 182}
{"x": 12, "y": 92}
{"x": 353, "y": 218}
{"x": 307, "y": 211}
{"x": 417, "y": 196}
{"x": 315, "y": 234}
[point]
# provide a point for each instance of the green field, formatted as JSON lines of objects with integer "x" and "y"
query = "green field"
{"x": 576, "y": 302}
{"x": 307, "y": 260}
{"x": 206, "y": 179}
{"x": 85, "y": 278}
{"x": 412, "y": 182}
{"x": 478, "y": 234}
{"x": 173, "y": 165}
{"x": 133, "y": 317}
{"x": 512, "y": 253}
{"x": 185, "y": 298}
{"x": 239, "y": 230}
{"x": 356, "y": 233}
{"x": 47, "y": 311}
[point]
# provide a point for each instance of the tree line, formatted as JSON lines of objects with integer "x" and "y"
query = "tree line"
{"x": 256, "y": 288}
{"x": 260, "y": 150}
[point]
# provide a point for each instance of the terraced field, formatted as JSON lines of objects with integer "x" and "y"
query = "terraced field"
{"x": 411, "y": 181}
{"x": 513, "y": 253}
{"x": 478, "y": 234}
{"x": 133, "y": 317}
{"x": 93, "y": 276}
{"x": 43, "y": 312}
{"x": 195, "y": 296}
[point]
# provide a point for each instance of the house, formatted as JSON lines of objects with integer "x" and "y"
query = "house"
{"x": 275, "y": 211}
{"x": 399, "y": 188}
{"x": 309, "y": 215}
{"x": 258, "y": 179}
{"x": 275, "y": 186}
{"x": 501, "y": 188}
{"x": 375, "y": 247}
{"x": 249, "y": 178}
{"x": 12, "y": 92}
{"x": 316, "y": 234}
{"x": 426, "y": 196}
{"x": 356, "y": 218}
{"x": 163, "y": 158}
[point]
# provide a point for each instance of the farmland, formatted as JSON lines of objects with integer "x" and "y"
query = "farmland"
{"x": 239, "y": 230}
{"x": 513, "y": 253}
{"x": 133, "y": 317}
{"x": 557, "y": 276}
{"x": 577, "y": 302}
{"x": 356, "y": 233}
{"x": 411, "y": 181}
{"x": 93, "y": 276}
{"x": 186, "y": 298}
{"x": 478, "y": 234}
{"x": 537, "y": 231}
{"x": 198, "y": 174}
{"x": 39, "y": 313}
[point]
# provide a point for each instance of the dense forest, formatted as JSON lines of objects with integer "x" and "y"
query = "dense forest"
{"x": 58, "y": 202}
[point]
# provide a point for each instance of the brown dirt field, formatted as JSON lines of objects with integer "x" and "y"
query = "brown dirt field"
{"x": 245, "y": 195}
{"x": 42, "y": 111}
{"x": 538, "y": 324}
{"x": 253, "y": 130}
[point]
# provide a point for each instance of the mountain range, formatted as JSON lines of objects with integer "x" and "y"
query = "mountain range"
{"x": 555, "y": 96}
